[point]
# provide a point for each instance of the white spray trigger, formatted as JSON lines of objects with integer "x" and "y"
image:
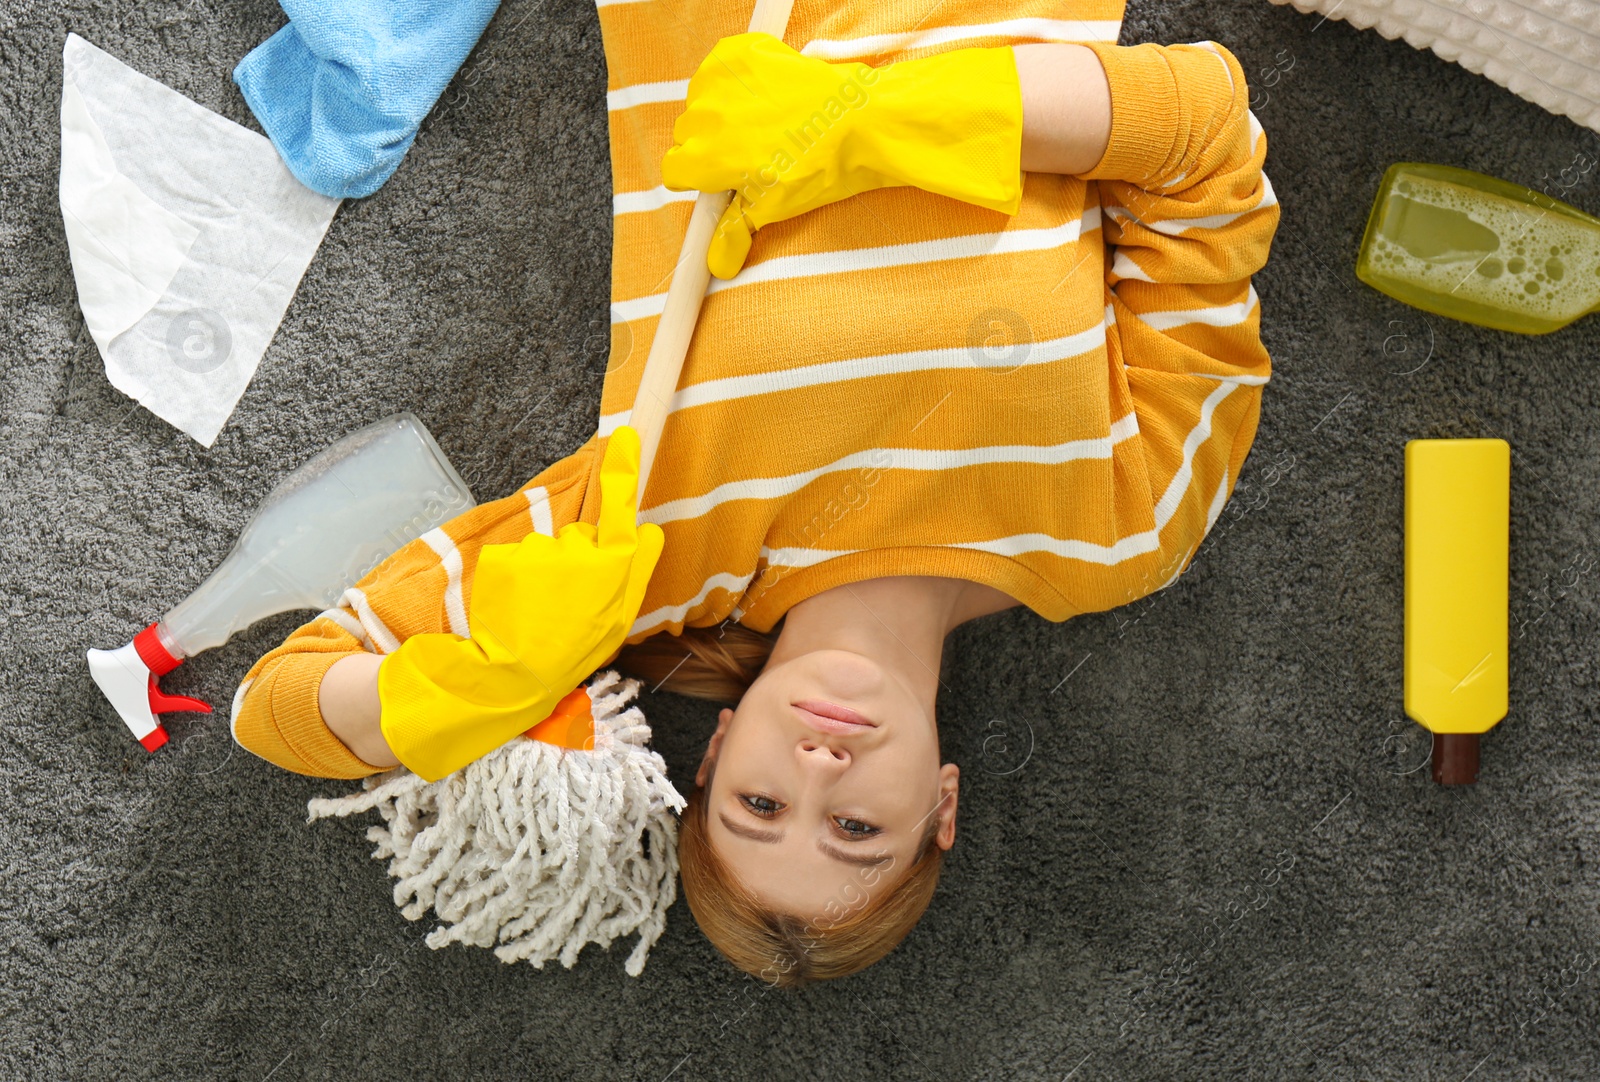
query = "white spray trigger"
{"x": 123, "y": 677}
{"x": 126, "y": 678}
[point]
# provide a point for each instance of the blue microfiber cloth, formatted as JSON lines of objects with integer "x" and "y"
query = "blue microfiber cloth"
{"x": 343, "y": 88}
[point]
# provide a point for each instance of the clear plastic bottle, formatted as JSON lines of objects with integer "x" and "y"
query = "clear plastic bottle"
{"x": 315, "y": 535}
{"x": 325, "y": 526}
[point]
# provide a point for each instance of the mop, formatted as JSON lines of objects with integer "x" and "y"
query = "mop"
{"x": 537, "y": 849}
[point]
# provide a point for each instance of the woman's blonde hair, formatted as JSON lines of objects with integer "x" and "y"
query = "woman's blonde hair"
{"x": 720, "y": 664}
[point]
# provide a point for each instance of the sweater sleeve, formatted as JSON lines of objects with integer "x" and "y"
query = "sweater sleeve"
{"x": 1188, "y": 216}
{"x": 424, "y": 587}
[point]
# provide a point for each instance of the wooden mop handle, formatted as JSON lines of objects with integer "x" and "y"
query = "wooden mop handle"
{"x": 690, "y": 278}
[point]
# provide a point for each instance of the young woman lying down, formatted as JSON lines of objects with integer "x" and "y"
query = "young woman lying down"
{"x": 983, "y": 335}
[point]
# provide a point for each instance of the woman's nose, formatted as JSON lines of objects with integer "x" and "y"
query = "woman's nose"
{"x": 817, "y": 755}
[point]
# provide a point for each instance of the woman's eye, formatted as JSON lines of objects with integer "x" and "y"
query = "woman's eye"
{"x": 763, "y": 806}
{"x": 856, "y": 827}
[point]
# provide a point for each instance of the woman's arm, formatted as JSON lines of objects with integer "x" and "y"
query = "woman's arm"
{"x": 1066, "y": 108}
{"x": 1188, "y": 216}
{"x": 311, "y": 705}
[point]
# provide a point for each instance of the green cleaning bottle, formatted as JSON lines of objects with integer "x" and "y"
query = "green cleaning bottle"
{"x": 1467, "y": 246}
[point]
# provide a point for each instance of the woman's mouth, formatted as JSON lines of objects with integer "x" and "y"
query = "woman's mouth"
{"x": 826, "y": 717}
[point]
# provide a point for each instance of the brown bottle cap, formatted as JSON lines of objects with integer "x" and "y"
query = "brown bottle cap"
{"x": 1455, "y": 758}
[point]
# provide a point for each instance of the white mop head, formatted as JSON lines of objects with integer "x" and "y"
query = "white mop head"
{"x": 536, "y": 850}
{"x": 1547, "y": 51}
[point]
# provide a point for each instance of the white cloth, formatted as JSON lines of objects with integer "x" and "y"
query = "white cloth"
{"x": 188, "y": 237}
{"x": 1547, "y": 51}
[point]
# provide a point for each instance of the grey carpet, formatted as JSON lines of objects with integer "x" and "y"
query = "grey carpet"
{"x": 1193, "y": 841}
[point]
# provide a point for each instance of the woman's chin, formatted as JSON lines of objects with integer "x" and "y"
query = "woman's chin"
{"x": 844, "y": 675}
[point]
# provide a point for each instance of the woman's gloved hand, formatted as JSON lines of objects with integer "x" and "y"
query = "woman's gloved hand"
{"x": 546, "y": 613}
{"x": 787, "y": 133}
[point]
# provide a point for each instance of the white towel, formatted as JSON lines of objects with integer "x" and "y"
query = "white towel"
{"x": 1547, "y": 51}
{"x": 188, "y": 237}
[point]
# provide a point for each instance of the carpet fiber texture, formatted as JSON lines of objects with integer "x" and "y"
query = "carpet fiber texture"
{"x": 1197, "y": 838}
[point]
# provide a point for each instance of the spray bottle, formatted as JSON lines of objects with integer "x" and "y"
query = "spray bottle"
{"x": 315, "y": 535}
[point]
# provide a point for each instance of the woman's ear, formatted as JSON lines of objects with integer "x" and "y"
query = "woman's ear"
{"x": 949, "y": 784}
{"x": 708, "y": 761}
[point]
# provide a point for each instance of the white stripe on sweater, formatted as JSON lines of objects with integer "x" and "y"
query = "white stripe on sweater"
{"x": 1124, "y": 548}
{"x": 1241, "y": 380}
{"x": 898, "y": 458}
{"x": 650, "y": 199}
{"x": 667, "y": 614}
{"x": 348, "y": 622}
{"x": 969, "y": 246}
{"x": 539, "y": 510}
{"x": 1223, "y": 315}
{"x": 1217, "y": 503}
{"x": 796, "y": 558}
{"x": 1124, "y": 267}
{"x": 1019, "y": 544}
{"x": 1038, "y": 29}
{"x": 233, "y": 714}
{"x": 801, "y": 556}
{"x": 450, "y": 559}
{"x": 1176, "y": 227}
{"x": 379, "y": 633}
{"x": 851, "y": 260}
{"x": 1172, "y": 498}
{"x": 1176, "y": 571}
{"x": 1012, "y": 546}
{"x": 626, "y": 97}
{"x": 813, "y": 375}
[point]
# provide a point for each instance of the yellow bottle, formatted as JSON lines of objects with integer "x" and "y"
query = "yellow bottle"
{"x": 1458, "y": 545}
{"x": 1475, "y": 248}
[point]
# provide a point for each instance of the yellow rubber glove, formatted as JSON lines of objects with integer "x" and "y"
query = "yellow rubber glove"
{"x": 546, "y": 613}
{"x": 788, "y": 133}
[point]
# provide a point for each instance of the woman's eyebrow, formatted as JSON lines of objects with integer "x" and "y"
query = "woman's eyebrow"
{"x": 771, "y": 837}
{"x": 850, "y": 858}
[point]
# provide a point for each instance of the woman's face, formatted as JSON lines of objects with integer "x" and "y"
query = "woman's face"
{"x": 823, "y": 784}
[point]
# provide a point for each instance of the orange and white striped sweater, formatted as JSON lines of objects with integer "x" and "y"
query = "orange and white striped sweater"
{"x": 1056, "y": 404}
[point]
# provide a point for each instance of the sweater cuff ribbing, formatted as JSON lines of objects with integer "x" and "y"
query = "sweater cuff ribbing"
{"x": 293, "y": 701}
{"x": 1144, "y": 113}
